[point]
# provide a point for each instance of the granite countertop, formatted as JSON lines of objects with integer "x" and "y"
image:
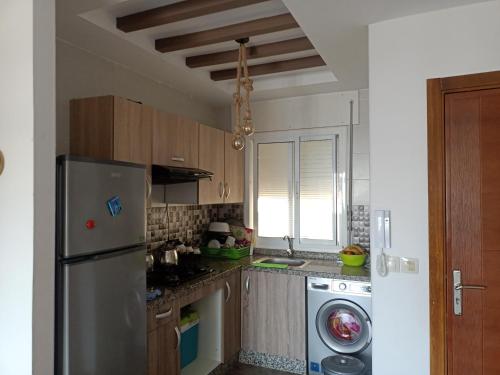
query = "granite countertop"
{"x": 328, "y": 268}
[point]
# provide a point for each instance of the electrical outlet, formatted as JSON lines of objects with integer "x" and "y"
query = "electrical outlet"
{"x": 409, "y": 265}
{"x": 189, "y": 234}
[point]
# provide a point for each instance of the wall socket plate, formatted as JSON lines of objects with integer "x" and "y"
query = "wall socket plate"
{"x": 189, "y": 234}
{"x": 409, "y": 265}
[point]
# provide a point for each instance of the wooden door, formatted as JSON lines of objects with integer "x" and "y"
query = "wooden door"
{"x": 234, "y": 172}
{"x": 273, "y": 314}
{"x": 211, "y": 158}
{"x": 175, "y": 140}
{"x": 232, "y": 316}
{"x": 472, "y": 126}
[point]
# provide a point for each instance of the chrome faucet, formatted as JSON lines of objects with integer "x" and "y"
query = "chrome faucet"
{"x": 290, "y": 251}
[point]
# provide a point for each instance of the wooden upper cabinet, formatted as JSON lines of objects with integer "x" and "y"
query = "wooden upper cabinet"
{"x": 211, "y": 158}
{"x": 133, "y": 130}
{"x": 111, "y": 128}
{"x": 91, "y": 127}
{"x": 175, "y": 140}
{"x": 234, "y": 172}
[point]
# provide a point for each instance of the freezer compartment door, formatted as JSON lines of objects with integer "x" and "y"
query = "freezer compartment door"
{"x": 102, "y": 206}
{"x": 104, "y": 316}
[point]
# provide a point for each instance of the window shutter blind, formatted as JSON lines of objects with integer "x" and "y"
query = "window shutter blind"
{"x": 317, "y": 208}
{"x": 275, "y": 189}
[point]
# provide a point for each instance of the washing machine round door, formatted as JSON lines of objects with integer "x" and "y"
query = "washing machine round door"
{"x": 344, "y": 326}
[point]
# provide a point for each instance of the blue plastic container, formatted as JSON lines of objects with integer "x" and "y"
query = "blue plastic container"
{"x": 189, "y": 343}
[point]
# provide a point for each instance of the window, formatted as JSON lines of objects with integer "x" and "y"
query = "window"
{"x": 300, "y": 188}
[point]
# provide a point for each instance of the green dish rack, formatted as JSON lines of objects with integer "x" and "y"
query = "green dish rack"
{"x": 231, "y": 253}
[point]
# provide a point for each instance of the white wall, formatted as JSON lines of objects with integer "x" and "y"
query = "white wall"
{"x": 302, "y": 112}
{"x": 403, "y": 54}
{"x": 82, "y": 74}
{"x": 23, "y": 58}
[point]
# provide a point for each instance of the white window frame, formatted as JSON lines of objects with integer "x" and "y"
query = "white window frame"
{"x": 339, "y": 136}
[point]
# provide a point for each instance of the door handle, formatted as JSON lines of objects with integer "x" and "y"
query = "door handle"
{"x": 221, "y": 189}
{"x": 149, "y": 184}
{"x": 458, "y": 287}
{"x": 227, "y": 188}
{"x": 247, "y": 284}
{"x": 228, "y": 287}
{"x": 178, "y": 333}
{"x": 178, "y": 158}
{"x": 165, "y": 314}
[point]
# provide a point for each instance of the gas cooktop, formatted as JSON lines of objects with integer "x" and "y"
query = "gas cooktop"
{"x": 173, "y": 276}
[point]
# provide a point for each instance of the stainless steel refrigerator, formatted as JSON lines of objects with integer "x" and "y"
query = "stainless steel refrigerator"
{"x": 100, "y": 278}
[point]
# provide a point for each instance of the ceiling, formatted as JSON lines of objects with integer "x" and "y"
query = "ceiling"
{"x": 337, "y": 29}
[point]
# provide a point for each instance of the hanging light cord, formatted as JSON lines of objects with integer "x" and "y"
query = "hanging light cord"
{"x": 246, "y": 128}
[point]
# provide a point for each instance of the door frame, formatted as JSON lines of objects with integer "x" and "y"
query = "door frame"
{"x": 437, "y": 88}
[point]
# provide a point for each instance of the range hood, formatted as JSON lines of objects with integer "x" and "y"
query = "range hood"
{"x": 166, "y": 175}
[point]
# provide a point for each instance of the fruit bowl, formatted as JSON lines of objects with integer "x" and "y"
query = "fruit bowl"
{"x": 353, "y": 255}
{"x": 353, "y": 260}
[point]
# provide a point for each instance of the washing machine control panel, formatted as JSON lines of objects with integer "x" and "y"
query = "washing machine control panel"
{"x": 339, "y": 286}
{"x": 352, "y": 287}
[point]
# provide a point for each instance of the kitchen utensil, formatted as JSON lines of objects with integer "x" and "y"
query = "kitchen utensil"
{"x": 230, "y": 241}
{"x": 150, "y": 260}
{"x": 214, "y": 244}
{"x": 219, "y": 227}
{"x": 170, "y": 257}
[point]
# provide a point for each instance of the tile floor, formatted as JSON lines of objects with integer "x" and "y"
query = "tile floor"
{"x": 241, "y": 369}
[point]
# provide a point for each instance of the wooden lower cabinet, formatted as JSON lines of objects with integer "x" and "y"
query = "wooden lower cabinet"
{"x": 168, "y": 350}
{"x": 163, "y": 350}
{"x": 232, "y": 316}
{"x": 153, "y": 352}
{"x": 273, "y": 313}
{"x": 164, "y": 321}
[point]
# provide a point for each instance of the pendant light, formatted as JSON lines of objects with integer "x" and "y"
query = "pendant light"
{"x": 243, "y": 127}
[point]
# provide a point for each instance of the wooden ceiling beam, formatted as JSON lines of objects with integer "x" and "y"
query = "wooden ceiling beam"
{"x": 227, "y": 33}
{"x": 253, "y": 52}
{"x": 270, "y": 68}
{"x": 179, "y": 11}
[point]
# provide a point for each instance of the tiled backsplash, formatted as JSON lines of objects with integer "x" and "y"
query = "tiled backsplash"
{"x": 361, "y": 225}
{"x": 174, "y": 221}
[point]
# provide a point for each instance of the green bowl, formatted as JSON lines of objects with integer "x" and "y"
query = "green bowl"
{"x": 353, "y": 260}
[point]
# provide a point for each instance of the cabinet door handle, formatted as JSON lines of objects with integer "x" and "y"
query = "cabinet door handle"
{"x": 166, "y": 314}
{"x": 149, "y": 185}
{"x": 247, "y": 284}
{"x": 228, "y": 287}
{"x": 221, "y": 189}
{"x": 178, "y": 158}
{"x": 178, "y": 333}
{"x": 227, "y": 188}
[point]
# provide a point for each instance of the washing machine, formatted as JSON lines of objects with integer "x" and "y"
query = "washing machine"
{"x": 339, "y": 321}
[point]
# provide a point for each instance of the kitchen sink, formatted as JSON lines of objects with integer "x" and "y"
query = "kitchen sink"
{"x": 288, "y": 261}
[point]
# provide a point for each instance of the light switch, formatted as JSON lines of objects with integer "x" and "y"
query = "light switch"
{"x": 409, "y": 265}
{"x": 393, "y": 263}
